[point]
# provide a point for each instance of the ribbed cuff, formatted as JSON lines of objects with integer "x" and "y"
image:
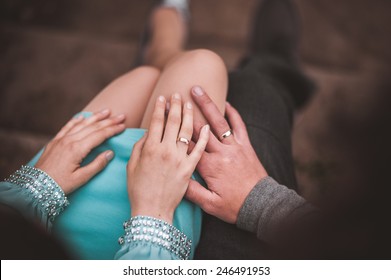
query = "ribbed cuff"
{"x": 266, "y": 206}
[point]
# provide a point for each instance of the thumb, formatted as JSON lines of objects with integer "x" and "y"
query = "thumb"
{"x": 90, "y": 170}
{"x": 199, "y": 195}
{"x": 136, "y": 153}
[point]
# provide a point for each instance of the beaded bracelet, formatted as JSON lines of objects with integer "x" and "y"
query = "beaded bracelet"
{"x": 45, "y": 191}
{"x": 158, "y": 232}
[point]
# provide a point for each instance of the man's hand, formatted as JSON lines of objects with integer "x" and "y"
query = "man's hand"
{"x": 229, "y": 165}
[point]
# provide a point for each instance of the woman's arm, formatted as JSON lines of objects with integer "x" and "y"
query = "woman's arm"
{"x": 159, "y": 172}
{"x": 40, "y": 192}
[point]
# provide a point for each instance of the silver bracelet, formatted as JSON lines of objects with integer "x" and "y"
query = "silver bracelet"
{"x": 48, "y": 195}
{"x": 158, "y": 232}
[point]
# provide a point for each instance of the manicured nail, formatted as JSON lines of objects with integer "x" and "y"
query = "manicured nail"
{"x": 177, "y": 96}
{"x": 168, "y": 105}
{"x": 105, "y": 111}
{"x": 189, "y": 105}
{"x": 109, "y": 155}
{"x": 198, "y": 91}
{"x": 120, "y": 117}
{"x": 161, "y": 98}
{"x": 206, "y": 127}
{"x": 79, "y": 117}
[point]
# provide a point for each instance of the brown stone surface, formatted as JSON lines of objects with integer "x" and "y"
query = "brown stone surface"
{"x": 57, "y": 54}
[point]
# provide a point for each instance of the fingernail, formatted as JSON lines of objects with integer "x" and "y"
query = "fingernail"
{"x": 105, "y": 111}
{"x": 189, "y": 105}
{"x": 177, "y": 96}
{"x": 206, "y": 127}
{"x": 109, "y": 155}
{"x": 79, "y": 117}
{"x": 120, "y": 117}
{"x": 198, "y": 91}
{"x": 161, "y": 98}
{"x": 168, "y": 105}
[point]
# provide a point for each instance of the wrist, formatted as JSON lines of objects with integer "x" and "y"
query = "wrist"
{"x": 149, "y": 230}
{"x": 164, "y": 215}
{"x": 45, "y": 193}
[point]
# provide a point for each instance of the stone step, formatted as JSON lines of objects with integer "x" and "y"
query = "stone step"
{"x": 48, "y": 76}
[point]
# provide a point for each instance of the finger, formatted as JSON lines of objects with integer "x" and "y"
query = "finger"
{"x": 84, "y": 174}
{"x": 157, "y": 122}
{"x": 199, "y": 148}
{"x": 236, "y": 123}
{"x": 191, "y": 146}
{"x": 217, "y": 122}
{"x": 88, "y": 129}
{"x": 186, "y": 130}
{"x": 213, "y": 144}
{"x": 68, "y": 126}
{"x": 136, "y": 153}
{"x": 96, "y": 138}
{"x": 104, "y": 114}
{"x": 199, "y": 195}
{"x": 174, "y": 119}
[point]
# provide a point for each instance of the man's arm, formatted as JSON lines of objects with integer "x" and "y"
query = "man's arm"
{"x": 269, "y": 206}
{"x": 241, "y": 192}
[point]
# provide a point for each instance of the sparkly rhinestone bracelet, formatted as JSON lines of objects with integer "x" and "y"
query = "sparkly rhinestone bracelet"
{"x": 151, "y": 230}
{"x": 46, "y": 193}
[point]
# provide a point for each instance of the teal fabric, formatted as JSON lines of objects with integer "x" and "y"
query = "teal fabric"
{"x": 21, "y": 200}
{"x": 91, "y": 225}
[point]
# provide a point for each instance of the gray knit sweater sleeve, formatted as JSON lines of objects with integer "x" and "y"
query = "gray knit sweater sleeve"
{"x": 269, "y": 205}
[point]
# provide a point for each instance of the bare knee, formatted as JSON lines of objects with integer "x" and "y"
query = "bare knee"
{"x": 201, "y": 58}
{"x": 142, "y": 72}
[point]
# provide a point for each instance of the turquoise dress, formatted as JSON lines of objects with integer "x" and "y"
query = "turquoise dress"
{"x": 92, "y": 223}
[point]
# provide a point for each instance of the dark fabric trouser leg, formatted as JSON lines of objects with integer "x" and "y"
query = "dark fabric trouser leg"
{"x": 264, "y": 91}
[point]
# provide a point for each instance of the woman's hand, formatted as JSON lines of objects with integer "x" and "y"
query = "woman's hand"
{"x": 159, "y": 169}
{"x": 63, "y": 155}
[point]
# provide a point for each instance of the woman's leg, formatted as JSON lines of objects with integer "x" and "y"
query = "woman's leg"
{"x": 167, "y": 29}
{"x": 129, "y": 94}
{"x": 185, "y": 70}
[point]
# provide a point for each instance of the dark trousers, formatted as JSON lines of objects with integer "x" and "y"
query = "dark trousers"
{"x": 265, "y": 91}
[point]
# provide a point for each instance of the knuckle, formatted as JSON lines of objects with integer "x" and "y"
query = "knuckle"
{"x": 73, "y": 146}
{"x": 149, "y": 150}
{"x": 187, "y": 131}
{"x": 157, "y": 118}
{"x": 167, "y": 155}
{"x": 206, "y": 101}
{"x": 109, "y": 131}
{"x": 221, "y": 122}
{"x": 208, "y": 205}
{"x": 175, "y": 119}
{"x": 66, "y": 141}
{"x": 227, "y": 159}
{"x": 137, "y": 145}
{"x": 101, "y": 163}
